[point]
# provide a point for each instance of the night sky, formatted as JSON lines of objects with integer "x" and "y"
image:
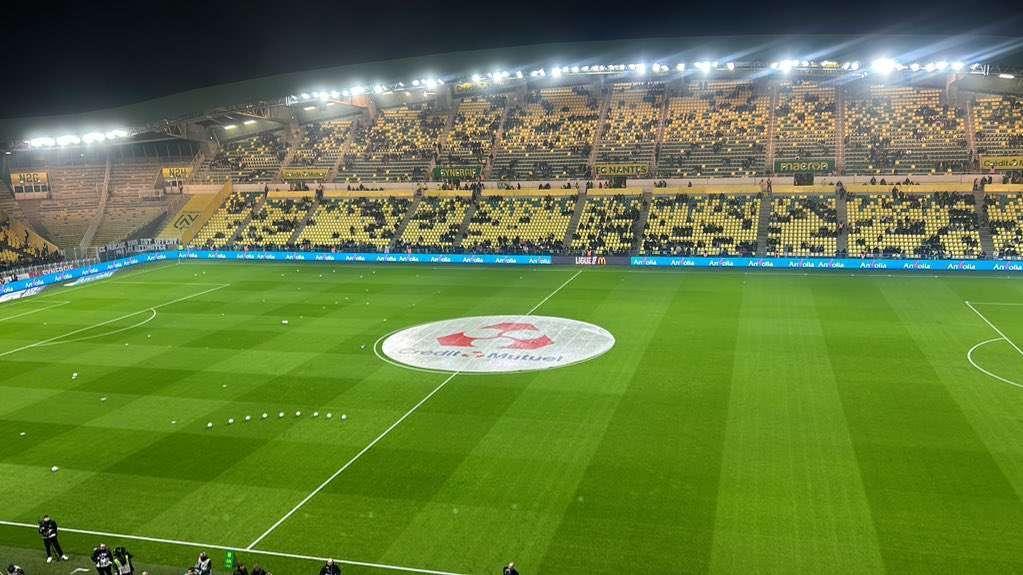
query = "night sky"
{"x": 67, "y": 57}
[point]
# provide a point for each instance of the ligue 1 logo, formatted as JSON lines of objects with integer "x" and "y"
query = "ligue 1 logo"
{"x": 496, "y": 344}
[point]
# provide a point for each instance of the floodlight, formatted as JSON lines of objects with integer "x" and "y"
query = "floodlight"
{"x": 641, "y": 69}
{"x": 68, "y": 140}
{"x": 307, "y": 109}
{"x": 356, "y": 90}
{"x": 378, "y": 89}
{"x": 703, "y": 67}
{"x": 680, "y": 67}
{"x": 249, "y": 122}
{"x": 476, "y": 78}
{"x": 1006, "y": 76}
{"x": 556, "y": 72}
{"x": 730, "y": 66}
{"x": 914, "y": 67}
{"x": 942, "y": 65}
{"x": 335, "y": 94}
{"x": 415, "y": 82}
{"x": 118, "y": 133}
{"x": 93, "y": 137}
{"x": 41, "y": 142}
{"x": 884, "y": 66}
{"x": 305, "y": 96}
{"x": 230, "y": 127}
{"x": 957, "y": 66}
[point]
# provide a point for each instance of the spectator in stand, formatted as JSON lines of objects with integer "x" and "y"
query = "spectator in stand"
{"x": 204, "y": 565}
{"x": 330, "y": 568}
{"x": 49, "y": 532}
{"x": 103, "y": 559}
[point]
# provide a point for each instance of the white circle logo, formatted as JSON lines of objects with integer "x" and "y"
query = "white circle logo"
{"x": 496, "y": 344}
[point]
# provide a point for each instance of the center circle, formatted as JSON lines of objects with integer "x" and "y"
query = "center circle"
{"x": 497, "y": 344}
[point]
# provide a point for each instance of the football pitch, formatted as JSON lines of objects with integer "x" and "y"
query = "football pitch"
{"x": 741, "y": 422}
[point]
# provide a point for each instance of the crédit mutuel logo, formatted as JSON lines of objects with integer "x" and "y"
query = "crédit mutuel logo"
{"x": 497, "y": 343}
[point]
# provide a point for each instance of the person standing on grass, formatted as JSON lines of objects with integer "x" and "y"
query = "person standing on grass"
{"x": 330, "y": 568}
{"x": 48, "y": 531}
{"x": 257, "y": 570}
{"x": 122, "y": 562}
{"x": 204, "y": 565}
{"x": 13, "y": 569}
{"x": 103, "y": 559}
{"x": 241, "y": 569}
{"x": 509, "y": 569}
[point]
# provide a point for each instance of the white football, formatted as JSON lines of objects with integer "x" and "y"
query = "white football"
{"x": 54, "y": 469}
{"x": 343, "y": 416}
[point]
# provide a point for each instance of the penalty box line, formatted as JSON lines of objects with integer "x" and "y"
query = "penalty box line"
{"x": 109, "y": 321}
{"x": 993, "y": 326}
{"x": 384, "y": 434}
{"x": 196, "y": 545}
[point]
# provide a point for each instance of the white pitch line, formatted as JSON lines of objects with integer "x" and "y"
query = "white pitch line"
{"x": 969, "y": 357}
{"x": 408, "y": 413}
{"x": 997, "y": 303}
{"x": 103, "y": 323}
{"x": 238, "y": 549}
{"x": 58, "y": 304}
{"x": 994, "y": 327}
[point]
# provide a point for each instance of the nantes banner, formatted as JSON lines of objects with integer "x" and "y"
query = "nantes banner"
{"x": 456, "y": 172}
{"x": 1001, "y": 163}
{"x": 291, "y": 174}
{"x": 632, "y": 170}
{"x": 804, "y": 166}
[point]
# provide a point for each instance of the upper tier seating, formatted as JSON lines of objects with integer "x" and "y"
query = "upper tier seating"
{"x": 510, "y": 224}
{"x": 606, "y": 225}
{"x": 224, "y": 223}
{"x": 803, "y": 226}
{"x": 999, "y": 125}
{"x": 702, "y": 225}
{"x": 274, "y": 223}
{"x": 321, "y": 144}
{"x": 435, "y": 224}
{"x": 630, "y": 134}
{"x": 902, "y": 130}
{"x": 939, "y": 225}
{"x": 717, "y": 129}
{"x": 1005, "y": 214}
{"x": 72, "y": 206}
{"x": 550, "y": 137}
{"x": 255, "y": 159}
{"x": 357, "y": 223}
{"x": 132, "y": 203}
{"x": 805, "y": 122}
{"x": 471, "y": 138}
{"x": 398, "y": 147}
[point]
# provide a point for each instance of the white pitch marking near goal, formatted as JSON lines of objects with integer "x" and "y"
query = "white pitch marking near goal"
{"x": 236, "y": 549}
{"x": 109, "y": 321}
{"x": 1002, "y": 337}
{"x": 408, "y": 413}
{"x": 993, "y": 326}
{"x": 57, "y": 304}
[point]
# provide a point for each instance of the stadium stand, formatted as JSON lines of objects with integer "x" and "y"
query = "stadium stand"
{"x": 550, "y": 137}
{"x": 74, "y": 200}
{"x": 1005, "y": 214}
{"x": 901, "y": 224}
{"x": 255, "y": 159}
{"x": 714, "y": 129}
{"x": 903, "y": 130}
{"x": 999, "y": 125}
{"x": 398, "y": 147}
{"x": 702, "y": 225}
{"x": 21, "y": 247}
{"x": 436, "y": 223}
{"x": 630, "y": 134}
{"x": 805, "y": 122}
{"x": 471, "y": 138}
{"x": 132, "y": 203}
{"x": 273, "y": 224}
{"x": 803, "y": 226}
{"x": 222, "y": 227}
{"x": 321, "y": 144}
{"x": 354, "y": 223}
{"x": 607, "y": 224}
{"x": 520, "y": 224}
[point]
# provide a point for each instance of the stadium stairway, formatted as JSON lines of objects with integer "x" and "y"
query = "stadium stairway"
{"x": 104, "y": 197}
{"x": 488, "y": 169}
{"x": 346, "y": 147}
{"x": 605, "y": 111}
{"x": 971, "y": 132}
{"x": 293, "y": 240}
{"x": 763, "y": 222}
{"x": 573, "y": 223}
{"x": 639, "y": 226}
{"x": 405, "y": 219}
{"x": 470, "y": 210}
{"x": 842, "y": 213}
{"x": 983, "y": 223}
{"x": 839, "y": 133}
{"x": 772, "y": 124}
{"x": 248, "y": 219}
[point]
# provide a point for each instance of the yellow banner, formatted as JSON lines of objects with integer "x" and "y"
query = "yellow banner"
{"x": 1001, "y": 162}
{"x": 638, "y": 170}
{"x": 28, "y": 179}
{"x": 176, "y": 173}
{"x": 304, "y": 173}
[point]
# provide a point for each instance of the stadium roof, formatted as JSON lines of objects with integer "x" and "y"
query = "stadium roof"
{"x": 995, "y": 50}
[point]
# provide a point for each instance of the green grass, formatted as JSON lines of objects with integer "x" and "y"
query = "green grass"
{"x": 762, "y": 422}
